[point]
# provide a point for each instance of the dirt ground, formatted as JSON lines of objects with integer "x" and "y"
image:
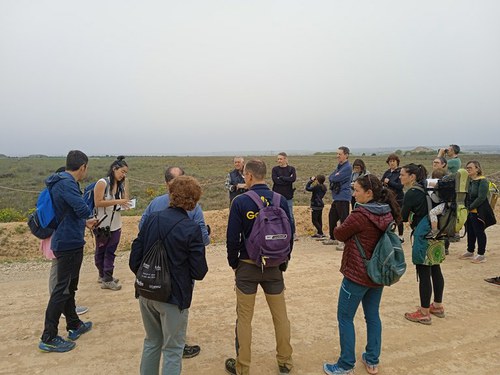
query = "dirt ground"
{"x": 465, "y": 342}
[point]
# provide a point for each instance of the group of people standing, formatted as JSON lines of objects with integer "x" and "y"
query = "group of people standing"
{"x": 176, "y": 219}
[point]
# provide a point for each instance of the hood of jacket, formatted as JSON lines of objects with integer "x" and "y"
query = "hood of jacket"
{"x": 377, "y": 213}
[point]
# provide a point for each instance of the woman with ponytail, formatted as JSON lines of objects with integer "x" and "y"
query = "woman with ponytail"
{"x": 375, "y": 209}
{"x": 110, "y": 197}
{"x": 415, "y": 210}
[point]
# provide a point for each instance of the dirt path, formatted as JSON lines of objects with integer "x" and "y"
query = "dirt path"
{"x": 465, "y": 342}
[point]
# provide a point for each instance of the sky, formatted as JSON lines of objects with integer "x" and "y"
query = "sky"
{"x": 212, "y": 76}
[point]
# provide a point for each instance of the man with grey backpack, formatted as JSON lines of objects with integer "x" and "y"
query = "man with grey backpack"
{"x": 262, "y": 267}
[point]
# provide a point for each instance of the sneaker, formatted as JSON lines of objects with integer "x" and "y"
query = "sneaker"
{"x": 74, "y": 334}
{"x": 110, "y": 285}
{"x": 231, "y": 366}
{"x": 340, "y": 246}
{"x": 191, "y": 351}
{"x": 419, "y": 317}
{"x": 322, "y": 238}
{"x": 493, "y": 280}
{"x": 437, "y": 311}
{"x": 317, "y": 235}
{"x": 466, "y": 255}
{"x": 370, "y": 368}
{"x": 455, "y": 238}
{"x": 56, "y": 345}
{"x": 283, "y": 370}
{"x": 478, "y": 259}
{"x": 99, "y": 280}
{"x": 330, "y": 242}
{"x": 334, "y": 369}
{"x": 80, "y": 310}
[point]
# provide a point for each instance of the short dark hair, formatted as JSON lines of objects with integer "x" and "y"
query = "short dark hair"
{"x": 321, "y": 178}
{"x": 418, "y": 170}
{"x": 257, "y": 168}
{"x": 393, "y": 157}
{"x": 456, "y": 148}
{"x": 168, "y": 173}
{"x": 442, "y": 160}
{"x": 75, "y": 159}
{"x": 345, "y": 150}
{"x": 359, "y": 163}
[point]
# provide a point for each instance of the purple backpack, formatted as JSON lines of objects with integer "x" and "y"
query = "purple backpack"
{"x": 269, "y": 242}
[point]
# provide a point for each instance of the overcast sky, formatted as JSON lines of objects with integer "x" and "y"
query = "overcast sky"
{"x": 189, "y": 76}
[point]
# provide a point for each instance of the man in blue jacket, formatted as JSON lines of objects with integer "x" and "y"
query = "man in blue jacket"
{"x": 72, "y": 215}
{"x": 249, "y": 275}
{"x": 340, "y": 184}
{"x": 161, "y": 203}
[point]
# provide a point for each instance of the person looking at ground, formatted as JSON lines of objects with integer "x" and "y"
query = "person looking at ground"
{"x": 316, "y": 185}
{"x": 284, "y": 175}
{"x": 391, "y": 180}
{"x": 480, "y": 213}
{"x": 451, "y": 152}
{"x": 430, "y": 278}
{"x": 249, "y": 276}
{"x": 110, "y": 197}
{"x": 165, "y": 322}
{"x": 72, "y": 214}
{"x": 340, "y": 185}
{"x": 196, "y": 214}
{"x": 375, "y": 209}
{"x": 235, "y": 181}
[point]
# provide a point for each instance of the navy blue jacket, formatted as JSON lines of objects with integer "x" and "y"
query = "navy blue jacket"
{"x": 318, "y": 192}
{"x": 71, "y": 212}
{"x": 185, "y": 251}
{"x": 283, "y": 179}
{"x": 240, "y": 223}
{"x": 394, "y": 183}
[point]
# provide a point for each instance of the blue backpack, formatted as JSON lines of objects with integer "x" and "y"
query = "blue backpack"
{"x": 88, "y": 194}
{"x": 268, "y": 244}
{"x": 42, "y": 222}
{"x": 387, "y": 263}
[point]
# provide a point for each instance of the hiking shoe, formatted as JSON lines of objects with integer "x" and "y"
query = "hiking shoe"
{"x": 437, "y": 311}
{"x": 340, "y": 246}
{"x": 330, "y": 242}
{"x": 56, "y": 345}
{"x": 99, "y": 280}
{"x": 432, "y": 234}
{"x": 478, "y": 259}
{"x": 370, "y": 368}
{"x": 231, "y": 366}
{"x": 74, "y": 334}
{"x": 80, "y": 310}
{"x": 283, "y": 370}
{"x": 419, "y": 317}
{"x": 466, "y": 255}
{"x": 334, "y": 369}
{"x": 493, "y": 280}
{"x": 191, "y": 351}
{"x": 110, "y": 285}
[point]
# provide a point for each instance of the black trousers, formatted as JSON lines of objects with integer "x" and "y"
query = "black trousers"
{"x": 430, "y": 279}
{"x": 62, "y": 298}
{"x": 338, "y": 211}
{"x": 317, "y": 220}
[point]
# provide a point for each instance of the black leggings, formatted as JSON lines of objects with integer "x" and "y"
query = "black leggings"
{"x": 317, "y": 220}
{"x": 426, "y": 286}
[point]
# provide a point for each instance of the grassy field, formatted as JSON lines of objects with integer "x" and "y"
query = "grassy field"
{"x": 21, "y": 179}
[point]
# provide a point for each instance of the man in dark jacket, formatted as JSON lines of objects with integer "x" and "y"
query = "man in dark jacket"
{"x": 284, "y": 175}
{"x": 249, "y": 275}
{"x": 235, "y": 182}
{"x": 72, "y": 215}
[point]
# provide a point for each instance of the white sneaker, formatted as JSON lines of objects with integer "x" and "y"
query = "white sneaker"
{"x": 479, "y": 259}
{"x": 340, "y": 246}
{"x": 110, "y": 285}
{"x": 330, "y": 242}
{"x": 466, "y": 256}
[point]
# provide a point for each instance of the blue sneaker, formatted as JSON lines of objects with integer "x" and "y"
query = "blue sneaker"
{"x": 57, "y": 345}
{"x": 335, "y": 369}
{"x": 74, "y": 334}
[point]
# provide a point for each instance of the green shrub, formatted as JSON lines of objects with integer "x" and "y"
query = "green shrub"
{"x": 8, "y": 215}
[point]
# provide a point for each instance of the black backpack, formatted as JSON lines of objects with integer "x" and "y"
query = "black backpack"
{"x": 153, "y": 280}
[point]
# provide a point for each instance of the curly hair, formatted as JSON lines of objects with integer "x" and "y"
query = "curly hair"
{"x": 185, "y": 192}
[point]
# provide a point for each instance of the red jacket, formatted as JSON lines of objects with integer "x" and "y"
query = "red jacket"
{"x": 367, "y": 222}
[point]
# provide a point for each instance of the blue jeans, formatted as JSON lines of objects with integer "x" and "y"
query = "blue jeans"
{"x": 350, "y": 295}
{"x": 165, "y": 327}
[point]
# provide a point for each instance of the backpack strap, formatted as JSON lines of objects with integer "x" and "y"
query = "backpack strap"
{"x": 256, "y": 198}
{"x": 391, "y": 225}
